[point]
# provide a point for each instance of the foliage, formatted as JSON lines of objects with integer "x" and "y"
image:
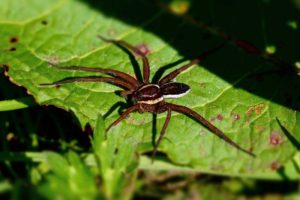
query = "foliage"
{"x": 235, "y": 89}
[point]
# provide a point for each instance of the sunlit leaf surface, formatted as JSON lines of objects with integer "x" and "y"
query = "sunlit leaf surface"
{"x": 35, "y": 34}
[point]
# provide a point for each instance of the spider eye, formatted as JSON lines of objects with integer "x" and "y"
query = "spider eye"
{"x": 174, "y": 90}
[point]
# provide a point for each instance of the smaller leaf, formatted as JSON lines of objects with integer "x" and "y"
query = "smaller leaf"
{"x": 55, "y": 188}
{"x": 114, "y": 159}
{"x": 75, "y": 161}
{"x": 15, "y": 104}
{"x": 297, "y": 162}
{"x": 70, "y": 178}
{"x": 99, "y": 133}
{"x": 58, "y": 164}
{"x": 102, "y": 152}
{"x": 81, "y": 180}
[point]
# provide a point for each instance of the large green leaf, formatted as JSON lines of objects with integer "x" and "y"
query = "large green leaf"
{"x": 35, "y": 33}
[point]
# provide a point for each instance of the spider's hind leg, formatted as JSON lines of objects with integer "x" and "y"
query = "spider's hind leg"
{"x": 189, "y": 112}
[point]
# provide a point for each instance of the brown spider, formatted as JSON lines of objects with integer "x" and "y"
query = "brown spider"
{"x": 146, "y": 96}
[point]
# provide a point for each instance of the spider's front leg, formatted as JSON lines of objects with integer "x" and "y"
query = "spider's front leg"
{"x": 114, "y": 81}
{"x": 171, "y": 76}
{"x": 146, "y": 67}
{"x": 112, "y": 72}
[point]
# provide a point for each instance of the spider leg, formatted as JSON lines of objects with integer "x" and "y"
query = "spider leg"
{"x": 218, "y": 132}
{"x": 162, "y": 133}
{"x": 123, "y": 116}
{"x": 111, "y": 72}
{"x": 176, "y": 72}
{"x": 146, "y": 67}
{"x": 114, "y": 81}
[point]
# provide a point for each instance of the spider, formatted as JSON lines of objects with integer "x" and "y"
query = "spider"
{"x": 145, "y": 96}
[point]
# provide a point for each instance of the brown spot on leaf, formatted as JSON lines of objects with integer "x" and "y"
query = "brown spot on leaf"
{"x": 143, "y": 48}
{"x": 275, "y": 138}
{"x": 13, "y": 40}
{"x": 257, "y": 109}
{"x": 259, "y": 128}
{"x": 235, "y": 117}
{"x": 219, "y": 117}
{"x": 275, "y": 165}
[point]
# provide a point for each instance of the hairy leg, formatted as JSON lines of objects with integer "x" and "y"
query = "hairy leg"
{"x": 111, "y": 72}
{"x": 123, "y": 116}
{"x": 218, "y": 132}
{"x": 173, "y": 74}
{"x": 114, "y": 81}
{"x": 146, "y": 67}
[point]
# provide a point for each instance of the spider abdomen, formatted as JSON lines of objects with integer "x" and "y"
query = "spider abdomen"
{"x": 174, "y": 90}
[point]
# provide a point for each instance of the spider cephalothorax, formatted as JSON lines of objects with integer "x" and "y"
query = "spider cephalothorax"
{"x": 146, "y": 96}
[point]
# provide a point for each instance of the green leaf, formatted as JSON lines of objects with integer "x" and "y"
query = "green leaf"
{"x": 71, "y": 179}
{"x": 57, "y": 163}
{"x": 16, "y": 104}
{"x": 65, "y": 32}
{"x": 116, "y": 163}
